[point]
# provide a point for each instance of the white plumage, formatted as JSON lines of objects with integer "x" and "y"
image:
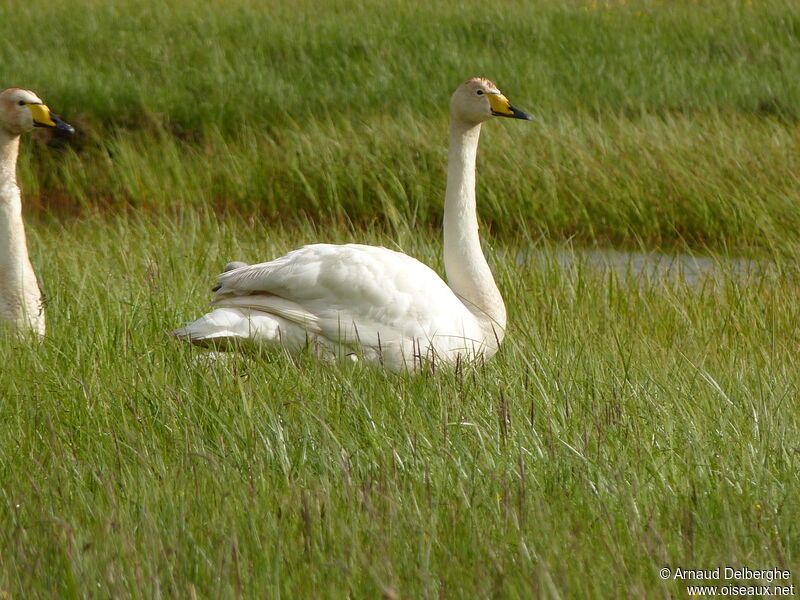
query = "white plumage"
{"x": 21, "y": 303}
{"x": 371, "y": 303}
{"x": 344, "y": 300}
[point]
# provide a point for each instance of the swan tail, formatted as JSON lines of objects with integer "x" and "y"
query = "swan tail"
{"x": 231, "y": 266}
{"x": 219, "y": 327}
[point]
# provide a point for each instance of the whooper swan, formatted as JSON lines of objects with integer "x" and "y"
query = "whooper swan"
{"x": 377, "y": 304}
{"x": 20, "y": 298}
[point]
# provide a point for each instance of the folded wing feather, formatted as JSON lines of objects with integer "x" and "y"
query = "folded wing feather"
{"x": 351, "y": 294}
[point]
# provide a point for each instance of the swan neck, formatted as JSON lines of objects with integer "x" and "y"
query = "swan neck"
{"x": 9, "y": 150}
{"x": 10, "y": 202}
{"x": 20, "y": 299}
{"x": 468, "y": 273}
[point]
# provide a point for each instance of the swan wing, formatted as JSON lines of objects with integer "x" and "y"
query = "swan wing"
{"x": 350, "y": 293}
{"x": 275, "y": 305}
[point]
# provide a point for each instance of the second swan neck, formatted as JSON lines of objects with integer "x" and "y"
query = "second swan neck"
{"x": 9, "y": 150}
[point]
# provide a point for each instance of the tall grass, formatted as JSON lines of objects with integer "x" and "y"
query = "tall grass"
{"x": 661, "y": 123}
{"x": 623, "y": 428}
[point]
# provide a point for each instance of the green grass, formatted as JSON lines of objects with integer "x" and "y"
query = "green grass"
{"x": 655, "y": 123}
{"x": 624, "y": 427}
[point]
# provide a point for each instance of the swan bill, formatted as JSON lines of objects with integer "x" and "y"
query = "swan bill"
{"x": 42, "y": 117}
{"x": 501, "y": 107}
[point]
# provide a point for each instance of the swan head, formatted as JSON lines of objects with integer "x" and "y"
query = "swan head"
{"x": 478, "y": 100}
{"x": 22, "y": 110}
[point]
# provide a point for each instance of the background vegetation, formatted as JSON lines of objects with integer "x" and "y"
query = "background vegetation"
{"x": 655, "y": 122}
{"x": 628, "y": 424}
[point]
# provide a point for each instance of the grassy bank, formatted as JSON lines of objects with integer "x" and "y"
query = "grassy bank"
{"x": 623, "y": 428}
{"x": 657, "y": 123}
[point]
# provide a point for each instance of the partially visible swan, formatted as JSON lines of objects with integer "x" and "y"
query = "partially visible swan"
{"x": 371, "y": 302}
{"x": 20, "y": 298}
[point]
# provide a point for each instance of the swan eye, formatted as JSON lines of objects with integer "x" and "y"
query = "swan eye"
{"x": 479, "y": 92}
{"x": 21, "y": 102}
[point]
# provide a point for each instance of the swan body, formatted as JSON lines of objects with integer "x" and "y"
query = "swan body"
{"x": 20, "y": 298}
{"x": 371, "y": 303}
{"x": 348, "y": 300}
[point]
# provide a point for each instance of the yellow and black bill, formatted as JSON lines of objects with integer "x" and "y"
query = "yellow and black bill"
{"x": 42, "y": 117}
{"x": 501, "y": 107}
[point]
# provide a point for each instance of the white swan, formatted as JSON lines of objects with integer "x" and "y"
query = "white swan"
{"x": 371, "y": 302}
{"x": 20, "y": 298}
